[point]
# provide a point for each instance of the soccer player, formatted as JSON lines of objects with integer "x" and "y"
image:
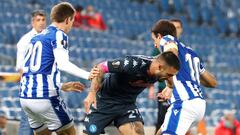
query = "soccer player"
{"x": 116, "y": 95}
{"x": 178, "y": 25}
{"x": 163, "y": 105}
{"x": 184, "y": 91}
{"x": 38, "y": 22}
{"x": 40, "y": 82}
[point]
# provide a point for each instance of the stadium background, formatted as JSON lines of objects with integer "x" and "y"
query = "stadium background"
{"x": 211, "y": 28}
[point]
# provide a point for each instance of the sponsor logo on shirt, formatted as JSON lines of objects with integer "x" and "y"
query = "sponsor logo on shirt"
{"x": 116, "y": 64}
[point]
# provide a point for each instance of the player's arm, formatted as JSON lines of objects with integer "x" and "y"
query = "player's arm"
{"x": 62, "y": 58}
{"x": 208, "y": 80}
{"x": 95, "y": 85}
{"x": 167, "y": 91}
{"x": 21, "y": 49}
{"x": 115, "y": 66}
{"x": 72, "y": 86}
{"x": 169, "y": 46}
{"x": 151, "y": 92}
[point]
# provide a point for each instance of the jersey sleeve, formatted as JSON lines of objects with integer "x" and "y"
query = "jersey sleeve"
{"x": 22, "y": 46}
{"x": 61, "y": 41}
{"x": 201, "y": 68}
{"x": 129, "y": 65}
{"x": 166, "y": 43}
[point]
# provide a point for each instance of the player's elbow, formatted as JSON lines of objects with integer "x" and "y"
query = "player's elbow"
{"x": 214, "y": 83}
{"x": 62, "y": 66}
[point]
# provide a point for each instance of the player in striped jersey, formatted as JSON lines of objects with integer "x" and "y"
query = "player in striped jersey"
{"x": 40, "y": 83}
{"x": 183, "y": 90}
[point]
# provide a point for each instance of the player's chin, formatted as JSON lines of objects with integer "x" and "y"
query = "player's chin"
{"x": 161, "y": 79}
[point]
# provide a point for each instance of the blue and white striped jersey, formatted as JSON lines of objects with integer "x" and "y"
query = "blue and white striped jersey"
{"x": 187, "y": 81}
{"x": 41, "y": 77}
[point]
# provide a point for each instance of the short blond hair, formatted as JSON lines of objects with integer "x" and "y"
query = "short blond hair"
{"x": 62, "y": 11}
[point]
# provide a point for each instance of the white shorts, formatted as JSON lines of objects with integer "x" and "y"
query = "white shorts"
{"x": 180, "y": 117}
{"x": 47, "y": 113}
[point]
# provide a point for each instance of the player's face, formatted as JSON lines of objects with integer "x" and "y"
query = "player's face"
{"x": 166, "y": 72}
{"x": 161, "y": 71}
{"x": 39, "y": 23}
{"x": 156, "y": 40}
{"x": 179, "y": 29}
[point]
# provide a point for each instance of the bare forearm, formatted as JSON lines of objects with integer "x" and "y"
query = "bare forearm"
{"x": 97, "y": 81}
{"x": 208, "y": 80}
{"x": 170, "y": 82}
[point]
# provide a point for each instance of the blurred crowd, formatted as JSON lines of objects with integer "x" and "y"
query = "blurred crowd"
{"x": 229, "y": 125}
{"x": 89, "y": 19}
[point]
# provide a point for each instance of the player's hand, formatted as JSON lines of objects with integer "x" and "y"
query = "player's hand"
{"x": 166, "y": 94}
{"x": 151, "y": 93}
{"x": 72, "y": 86}
{"x": 89, "y": 100}
{"x": 94, "y": 73}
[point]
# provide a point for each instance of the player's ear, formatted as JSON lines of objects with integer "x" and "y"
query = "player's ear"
{"x": 159, "y": 36}
{"x": 67, "y": 20}
{"x": 160, "y": 67}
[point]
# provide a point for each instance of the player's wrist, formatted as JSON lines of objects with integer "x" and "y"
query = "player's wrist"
{"x": 92, "y": 91}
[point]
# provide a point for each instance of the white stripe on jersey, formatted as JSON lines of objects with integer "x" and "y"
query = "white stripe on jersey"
{"x": 52, "y": 91}
{"x": 59, "y": 38}
{"x": 181, "y": 90}
{"x": 39, "y": 86}
{"x": 23, "y": 81}
{"x": 191, "y": 88}
{"x": 30, "y": 85}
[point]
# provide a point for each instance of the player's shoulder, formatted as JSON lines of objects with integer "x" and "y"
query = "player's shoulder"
{"x": 27, "y": 36}
{"x": 168, "y": 39}
{"x": 140, "y": 57}
{"x": 56, "y": 32}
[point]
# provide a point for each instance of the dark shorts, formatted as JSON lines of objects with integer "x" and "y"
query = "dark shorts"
{"x": 105, "y": 114}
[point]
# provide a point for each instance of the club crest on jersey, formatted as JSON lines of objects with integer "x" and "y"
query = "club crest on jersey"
{"x": 93, "y": 128}
{"x": 116, "y": 64}
{"x": 65, "y": 44}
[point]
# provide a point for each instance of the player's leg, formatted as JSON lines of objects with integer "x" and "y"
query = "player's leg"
{"x": 69, "y": 131}
{"x": 35, "y": 120}
{"x": 24, "y": 127}
{"x": 181, "y": 116}
{"x": 42, "y": 132}
{"x": 58, "y": 117}
{"x": 162, "y": 110}
{"x": 98, "y": 119}
{"x": 132, "y": 128}
{"x": 130, "y": 121}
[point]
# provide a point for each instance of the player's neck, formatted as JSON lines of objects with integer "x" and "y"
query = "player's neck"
{"x": 149, "y": 70}
{"x": 60, "y": 26}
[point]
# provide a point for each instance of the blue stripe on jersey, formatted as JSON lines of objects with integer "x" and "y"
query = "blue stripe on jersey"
{"x": 174, "y": 119}
{"x": 167, "y": 38}
{"x": 175, "y": 93}
{"x": 55, "y": 81}
{"x": 34, "y": 88}
{"x": 64, "y": 37}
{"x": 20, "y": 90}
{"x": 189, "y": 91}
{"x": 54, "y": 44}
{"x": 60, "y": 110}
{"x": 45, "y": 86}
{"x": 26, "y": 88}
